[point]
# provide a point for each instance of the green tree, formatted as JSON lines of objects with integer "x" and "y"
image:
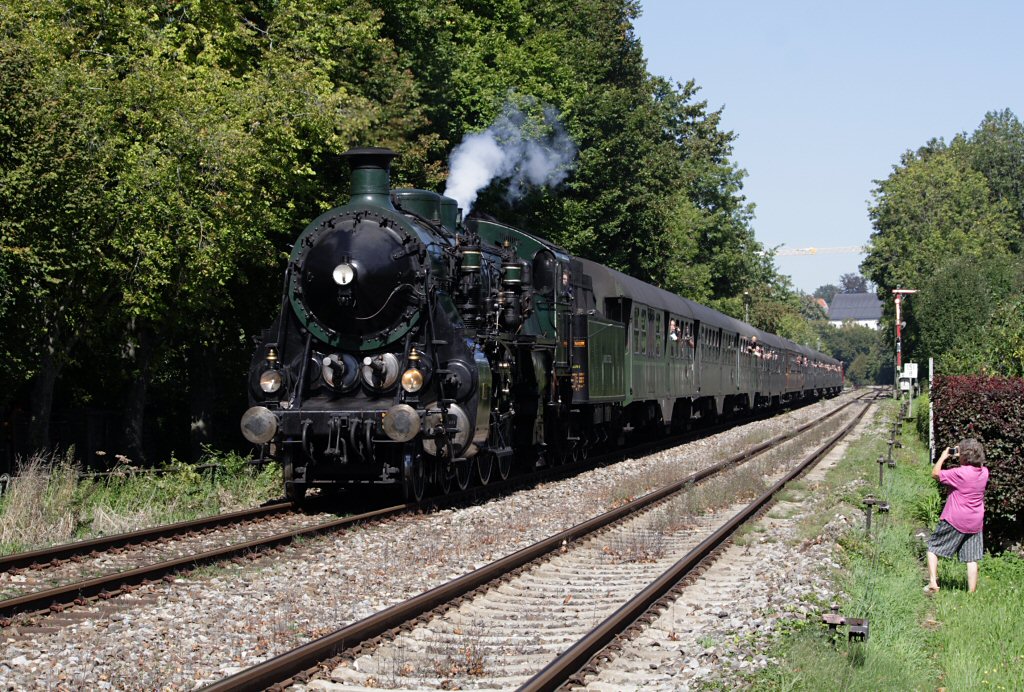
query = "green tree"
{"x": 638, "y": 136}
{"x": 158, "y": 163}
{"x": 157, "y": 160}
{"x": 996, "y": 150}
{"x": 864, "y": 351}
{"x": 54, "y": 168}
{"x": 853, "y": 283}
{"x": 956, "y": 307}
{"x": 949, "y": 222}
{"x": 932, "y": 207}
{"x": 826, "y": 292}
{"x": 1006, "y": 338}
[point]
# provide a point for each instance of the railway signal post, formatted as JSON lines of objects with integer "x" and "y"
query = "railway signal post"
{"x": 899, "y": 294}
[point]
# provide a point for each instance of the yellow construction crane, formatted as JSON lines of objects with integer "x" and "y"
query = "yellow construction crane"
{"x": 849, "y": 250}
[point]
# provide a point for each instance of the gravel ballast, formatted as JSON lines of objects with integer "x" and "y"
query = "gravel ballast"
{"x": 212, "y": 622}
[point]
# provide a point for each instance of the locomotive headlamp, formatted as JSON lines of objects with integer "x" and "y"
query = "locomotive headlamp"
{"x": 343, "y": 274}
{"x": 270, "y": 381}
{"x": 412, "y": 380}
{"x": 259, "y": 425}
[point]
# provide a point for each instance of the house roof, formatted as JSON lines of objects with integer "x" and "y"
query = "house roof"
{"x": 855, "y": 306}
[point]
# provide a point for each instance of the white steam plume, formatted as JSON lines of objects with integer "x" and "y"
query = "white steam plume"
{"x": 514, "y": 148}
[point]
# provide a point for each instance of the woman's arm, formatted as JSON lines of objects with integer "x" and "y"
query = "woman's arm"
{"x": 938, "y": 464}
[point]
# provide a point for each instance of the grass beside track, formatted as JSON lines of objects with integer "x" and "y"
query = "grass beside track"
{"x": 953, "y": 640}
{"x": 48, "y": 503}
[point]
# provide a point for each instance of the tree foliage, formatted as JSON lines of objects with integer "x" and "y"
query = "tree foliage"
{"x": 853, "y": 283}
{"x": 827, "y": 292}
{"x": 155, "y": 164}
{"x": 156, "y": 161}
{"x": 864, "y": 351}
{"x": 949, "y": 221}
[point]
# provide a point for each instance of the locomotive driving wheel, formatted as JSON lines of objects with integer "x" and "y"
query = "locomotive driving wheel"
{"x": 462, "y": 469}
{"x": 294, "y": 490}
{"x": 484, "y": 466}
{"x": 444, "y": 478}
{"x": 504, "y": 466}
{"x": 414, "y": 477}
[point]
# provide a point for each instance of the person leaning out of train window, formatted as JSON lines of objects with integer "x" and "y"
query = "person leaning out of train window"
{"x": 960, "y": 525}
{"x": 673, "y": 330}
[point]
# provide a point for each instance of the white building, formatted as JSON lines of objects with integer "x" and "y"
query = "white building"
{"x": 860, "y": 308}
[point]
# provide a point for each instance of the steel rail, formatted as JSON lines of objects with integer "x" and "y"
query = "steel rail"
{"x": 50, "y": 598}
{"x": 275, "y": 670}
{"x": 69, "y": 550}
{"x": 571, "y": 661}
{"x": 60, "y": 597}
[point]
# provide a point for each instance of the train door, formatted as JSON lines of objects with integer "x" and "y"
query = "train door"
{"x": 622, "y": 310}
{"x": 640, "y": 330}
{"x": 688, "y": 352}
{"x": 723, "y": 365}
{"x": 695, "y": 360}
{"x": 656, "y": 353}
{"x": 673, "y": 350}
{"x": 732, "y": 344}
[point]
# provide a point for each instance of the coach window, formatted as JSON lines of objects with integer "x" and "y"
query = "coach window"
{"x": 636, "y": 330}
{"x": 643, "y": 331}
{"x": 659, "y": 337}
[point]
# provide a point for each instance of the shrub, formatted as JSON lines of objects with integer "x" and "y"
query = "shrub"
{"x": 992, "y": 410}
{"x": 922, "y": 406}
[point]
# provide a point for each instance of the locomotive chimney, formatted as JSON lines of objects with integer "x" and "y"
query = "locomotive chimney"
{"x": 371, "y": 182}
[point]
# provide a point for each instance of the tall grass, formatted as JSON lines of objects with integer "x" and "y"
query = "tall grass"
{"x": 49, "y": 501}
{"x": 38, "y": 505}
{"x": 953, "y": 640}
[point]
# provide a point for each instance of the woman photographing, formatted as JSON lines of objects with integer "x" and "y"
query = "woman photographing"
{"x": 959, "y": 530}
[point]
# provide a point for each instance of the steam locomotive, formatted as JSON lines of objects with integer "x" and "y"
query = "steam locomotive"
{"x": 420, "y": 350}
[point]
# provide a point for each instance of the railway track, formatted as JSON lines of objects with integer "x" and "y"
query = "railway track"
{"x": 500, "y": 624}
{"x": 55, "y": 579}
{"x": 52, "y": 580}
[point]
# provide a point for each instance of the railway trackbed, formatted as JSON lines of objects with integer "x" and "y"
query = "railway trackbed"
{"x": 52, "y": 580}
{"x": 553, "y": 606}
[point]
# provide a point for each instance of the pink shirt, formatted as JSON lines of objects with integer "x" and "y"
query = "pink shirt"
{"x": 965, "y": 507}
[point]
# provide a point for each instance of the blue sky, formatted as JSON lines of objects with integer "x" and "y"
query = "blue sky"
{"x": 824, "y": 97}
